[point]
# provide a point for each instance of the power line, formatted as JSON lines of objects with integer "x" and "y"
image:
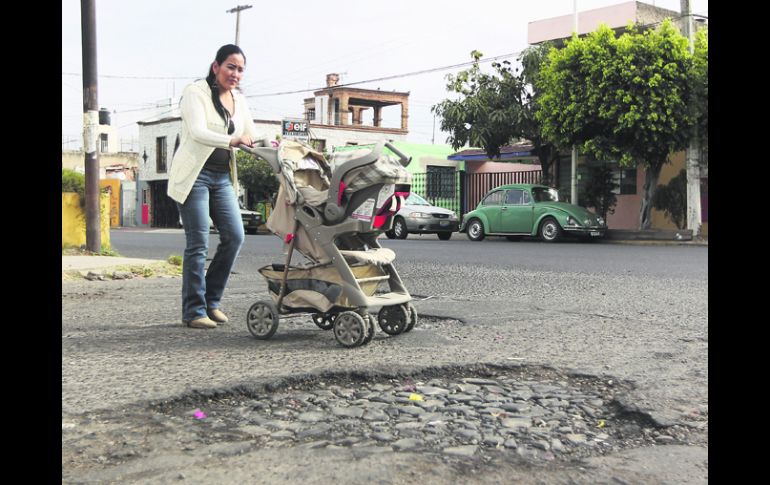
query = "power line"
{"x": 395, "y": 76}
{"x": 134, "y": 77}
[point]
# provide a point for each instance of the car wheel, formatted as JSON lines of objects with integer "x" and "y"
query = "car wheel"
{"x": 475, "y": 230}
{"x": 390, "y": 234}
{"x": 444, "y": 236}
{"x": 550, "y": 230}
{"x": 399, "y": 228}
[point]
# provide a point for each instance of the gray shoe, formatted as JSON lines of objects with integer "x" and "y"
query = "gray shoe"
{"x": 217, "y": 315}
{"x": 202, "y": 322}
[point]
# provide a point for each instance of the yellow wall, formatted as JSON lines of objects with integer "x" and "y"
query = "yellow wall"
{"x": 658, "y": 220}
{"x": 73, "y": 220}
{"x": 114, "y": 190}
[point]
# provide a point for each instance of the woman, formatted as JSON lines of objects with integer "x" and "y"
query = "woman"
{"x": 203, "y": 180}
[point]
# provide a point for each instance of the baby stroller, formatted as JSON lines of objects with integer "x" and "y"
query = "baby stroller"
{"x": 332, "y": 215}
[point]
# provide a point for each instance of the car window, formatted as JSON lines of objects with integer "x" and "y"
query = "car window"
{"x": 495, "y": 198}
{"x": 526, "y": 200}
{"x": 544, "y": 194}
{"x": 514, "y": 197}
{"x": 415, "y": 199}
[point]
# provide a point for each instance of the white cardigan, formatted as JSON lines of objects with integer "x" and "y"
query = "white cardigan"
{"x": 203, "y": 130}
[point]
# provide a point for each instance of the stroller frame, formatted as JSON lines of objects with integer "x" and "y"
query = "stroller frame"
{"x": 352, "y": 324}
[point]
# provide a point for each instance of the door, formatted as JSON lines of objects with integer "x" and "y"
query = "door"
{"x": 517, "y": 212}
{"x": 490, "y": 207}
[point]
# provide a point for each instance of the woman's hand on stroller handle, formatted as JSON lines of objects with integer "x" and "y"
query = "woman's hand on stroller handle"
{"x": 244, "y": 139}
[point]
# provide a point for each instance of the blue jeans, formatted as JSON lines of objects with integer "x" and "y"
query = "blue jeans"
{"x": 212, "y": 196}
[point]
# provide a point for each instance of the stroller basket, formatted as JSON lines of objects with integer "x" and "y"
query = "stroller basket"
{"x": 320, "y": 287}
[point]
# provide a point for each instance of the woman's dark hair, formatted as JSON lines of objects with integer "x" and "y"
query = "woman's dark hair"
{"x": 223, "y": 53}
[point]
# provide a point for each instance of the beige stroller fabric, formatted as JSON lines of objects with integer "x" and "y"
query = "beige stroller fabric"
{"x": 319, "y": 287}
{"x": 386, "y": 170}
{"x": 302, "y": 171}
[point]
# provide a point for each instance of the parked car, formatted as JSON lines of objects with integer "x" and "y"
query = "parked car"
{"x": 417, "y": 215}
{"x": 251, "y": 220}
{"x": 529, "y": 210}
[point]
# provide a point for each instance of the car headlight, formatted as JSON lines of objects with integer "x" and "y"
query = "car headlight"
{"x": 571, "y": 221}
{"x": 600, "y": 220}
{"x": 453, "y": 216}
{"x": 419, "y": 215}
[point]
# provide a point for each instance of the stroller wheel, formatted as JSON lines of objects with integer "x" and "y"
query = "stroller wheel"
{"x": 370, "y": 326}
{"x": 325, "y": 321}
{"x": 393, "y": 319}
{"x": 350, "y": 329}
{"x": 262, "y": 319}
{"x": 410, "y": 310}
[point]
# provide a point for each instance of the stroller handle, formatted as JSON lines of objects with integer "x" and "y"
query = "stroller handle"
{"x": 265, "y": 152}
{"x": 403, "y": 159}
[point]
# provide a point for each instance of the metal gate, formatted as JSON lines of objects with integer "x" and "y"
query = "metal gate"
{"x": 461, "y": 191}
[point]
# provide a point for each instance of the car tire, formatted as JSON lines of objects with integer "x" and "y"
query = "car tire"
{"x": 550, "y": 230}
{"x": 475, "y": 230}
{"x": 390, "y": 234}
{"x": 399, "y": 228}
{"x": 444, "y": 236}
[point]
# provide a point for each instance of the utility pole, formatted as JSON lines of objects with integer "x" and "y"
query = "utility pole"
{"x": 573, "y": 198}
{"x": 90, "y": 124}
{"x": 237, "y": 11}
{"x": 433, "y": 140}
{"x": 692, "y": 162}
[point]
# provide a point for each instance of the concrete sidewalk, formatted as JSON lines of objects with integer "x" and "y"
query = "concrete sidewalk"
{"x": 101, "y": 263}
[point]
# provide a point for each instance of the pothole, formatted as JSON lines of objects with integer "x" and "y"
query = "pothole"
{"x": 531, "y": 413}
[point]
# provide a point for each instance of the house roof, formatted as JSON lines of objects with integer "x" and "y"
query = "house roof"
{"x": 507, "y": 152}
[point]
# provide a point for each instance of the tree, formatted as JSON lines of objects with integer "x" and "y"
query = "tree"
{"x": 700, "y": 89}
{"x": 672, "y": 199}
{"x": 598, "y": 190}
{"x": 257, "y": 177}
{"x": 623, "y": 99}
{"x": 495, "y": 109}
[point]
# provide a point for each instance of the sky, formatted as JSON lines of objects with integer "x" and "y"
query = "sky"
{"x": 148, "y": 50}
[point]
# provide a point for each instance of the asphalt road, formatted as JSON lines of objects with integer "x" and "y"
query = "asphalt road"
{"x": 633, "y": 318}
{"x": 657, "y": 260}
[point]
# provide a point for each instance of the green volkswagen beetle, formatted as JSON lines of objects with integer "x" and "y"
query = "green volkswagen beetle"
{"x": 529, "y": 210}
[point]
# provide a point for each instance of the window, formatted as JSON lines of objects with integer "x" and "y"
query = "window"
{"x": 440, "y": 181}
{"x": 514, "y": 197}
{"x": 160, "y": 154}
{"x": 626, "y": 180}
{"x": 311, "y": 114}
{"x": 103, "y": 143}
{"x": 495, "y": 198}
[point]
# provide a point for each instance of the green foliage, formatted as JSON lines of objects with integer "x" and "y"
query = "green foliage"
{"x": 107, "y": 251}
{"x": 700, "y": 87}
{"x": 624, "y": 99}
{"x": 257, "y": 177}
{"x": 672, "y": 199}
{"x": 72, "y": 181}
{"x": 598, "y": 190}
{"x": 175, "y": 260}
{"x": 492, "y": 110}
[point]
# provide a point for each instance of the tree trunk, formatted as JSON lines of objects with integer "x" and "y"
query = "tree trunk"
{"x": 693, "y": 208}
{"x": 652, "y": 174}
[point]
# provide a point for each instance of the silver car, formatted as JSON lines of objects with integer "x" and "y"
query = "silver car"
{"x": 418, "y": 216}
{"x": 251, "y": 220}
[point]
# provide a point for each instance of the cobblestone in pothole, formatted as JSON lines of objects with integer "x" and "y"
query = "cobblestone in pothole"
{"x": 456, "y": 416}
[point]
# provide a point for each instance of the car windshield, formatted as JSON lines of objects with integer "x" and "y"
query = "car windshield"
{"x": 415, "y": 199}
{"x": 544, "y": 194}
